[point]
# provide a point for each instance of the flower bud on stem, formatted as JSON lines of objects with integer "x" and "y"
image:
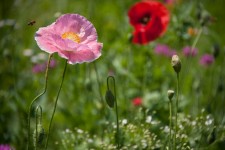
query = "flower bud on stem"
{"x": 170, "y": 96}
{"x": 39, "y": 132}
{"x": 110, "y": 99}
{"x": 36, "y": 98}
{"x": 176, "y": 64}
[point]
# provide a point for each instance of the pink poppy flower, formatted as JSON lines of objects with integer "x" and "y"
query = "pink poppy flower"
{"x": 73, "y": 37}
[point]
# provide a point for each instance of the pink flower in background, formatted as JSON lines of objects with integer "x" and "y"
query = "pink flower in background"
{"x": 187, "y": 51}
{"x": 38, "y": 68}
{"x": 137, "y": 101}
{"x": 169, "y": 1}
{"x": 73, "y": 37}
{"x": 5, "y": 147}
{"x": 206, "y": 60}
{"x": 162, "y": 49}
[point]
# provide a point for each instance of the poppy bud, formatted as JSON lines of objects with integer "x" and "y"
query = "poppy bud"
{"x": 110, "y": 99}
{"x": 40, "y": 135}
{"x": 170, "y": 94}
{"x": 176, "y": 64}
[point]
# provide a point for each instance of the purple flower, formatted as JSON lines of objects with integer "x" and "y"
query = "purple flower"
{"x": 188, "y": 51}
{"x": 38, "y": 68}
{"x": 206, "y": 60}
{"x": 162, "y": 49}
{"x": 5, "y": 147}
{"x": 169, "y": 1}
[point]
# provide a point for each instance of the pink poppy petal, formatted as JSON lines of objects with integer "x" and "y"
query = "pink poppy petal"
{"x": 44, "y": 39}
{"x": 64, "y": 44}
{"x": 75, "y": 23}
{"x": 96, "y": 48}
{"x": 79, "y": 56}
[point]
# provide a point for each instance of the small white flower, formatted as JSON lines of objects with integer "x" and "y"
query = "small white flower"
{"x": 67, "y": 130}
{"x": 193, "y": 123}
{"x": 208, "y": 122}
{"x": 90, "y": 141}
{"x": 166, "y": 129}
{"x": 148, "y": 119}
{"x": 124, "y": 121}
{"x": 28, "y": 52}
{"x": 80, "y": 131}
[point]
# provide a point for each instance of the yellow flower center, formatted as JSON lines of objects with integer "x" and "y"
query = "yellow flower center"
{"x": 71, "y": 36}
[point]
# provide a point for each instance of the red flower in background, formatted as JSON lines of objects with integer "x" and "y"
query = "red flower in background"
{"x": 137, "y": 101}
{"x": 150, "y": 20}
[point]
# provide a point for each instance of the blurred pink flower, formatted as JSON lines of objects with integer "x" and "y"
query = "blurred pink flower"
{"x": 162, "y": 49}
{"x": 206, "y": 60}
{"x": 38, "y": 68}
{"x": 137, "y": 101}
{"x": 5, "y": 147}
{"x": 73, "y": 37}
{"x": 169, "y": 1}
{"x": 188, "y": 52}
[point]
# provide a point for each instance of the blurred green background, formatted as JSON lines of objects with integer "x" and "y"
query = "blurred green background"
{"x": 138, "y": 71}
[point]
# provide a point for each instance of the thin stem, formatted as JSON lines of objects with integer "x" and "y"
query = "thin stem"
{"x": 117, "y": 116}
{"x": 196, "y": 40}
{"x": 117, "y": 122}
{"x": 176, "y": 110}
{"x": 170, "y": 107}
{"x": 99, "y": 84}
{"x": 56, "y": 100}
{"x": 36, "y": 98}
{"x": 102, "y": 111}
{"x": 38, "y": 121}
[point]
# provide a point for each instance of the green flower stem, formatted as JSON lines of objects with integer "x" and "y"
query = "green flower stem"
{"x": 170, "y": 137}
{"x": 196, "y": 40}
{"x": 36, "y": 98}
{"x": 56, "y": 100}
{"x": 117, "y": 122}
{"x": 99, "y": 84}
{"x": 117, "y": 116}
{"x": 102, "y": 110}
{"x": 38, "y": 120}
{"x": 177, "y": 99}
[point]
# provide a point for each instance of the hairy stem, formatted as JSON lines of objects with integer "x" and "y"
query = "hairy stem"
{"x": 170, "y": 136}
{"x": 36, "y": 98}
{"x": 56, "y": 100}
{"x": 177, "y": 99}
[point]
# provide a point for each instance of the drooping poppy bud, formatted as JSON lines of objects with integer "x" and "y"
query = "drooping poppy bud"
{"x": 176, "y": 64}
{"x": 110, "y": 99}
{"x": 170, "y": 94}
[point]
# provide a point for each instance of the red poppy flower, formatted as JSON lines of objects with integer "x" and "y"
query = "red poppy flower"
{"x": 150, "y": 20}
{"x": 137, "y": 101}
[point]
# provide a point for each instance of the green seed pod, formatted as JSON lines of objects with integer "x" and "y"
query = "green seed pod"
{"x": 176, "y": 64}
{"x": 40, "y": 135}
{"x": 110, "y": 99}
{"x": 170, "y": 94}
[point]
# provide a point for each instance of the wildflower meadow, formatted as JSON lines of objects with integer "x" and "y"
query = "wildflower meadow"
{"x": 112, "y": 75}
